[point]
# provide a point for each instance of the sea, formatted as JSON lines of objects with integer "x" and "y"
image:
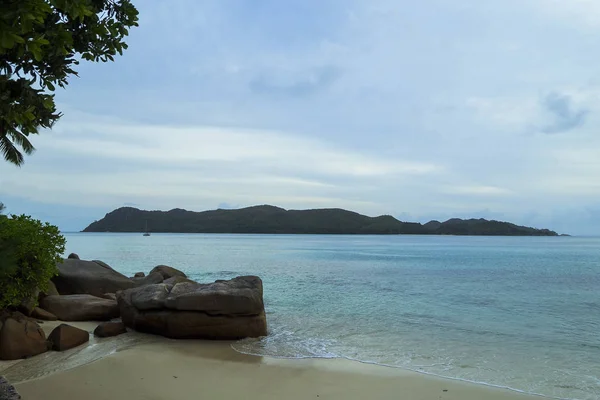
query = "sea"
{"x": 514, "y": 312}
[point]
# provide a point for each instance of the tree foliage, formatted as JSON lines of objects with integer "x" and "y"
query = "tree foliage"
{"x": 41, "y": 41}
{"x": 29, "y": 251}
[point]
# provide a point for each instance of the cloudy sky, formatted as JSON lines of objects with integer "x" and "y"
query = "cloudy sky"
{"x": 419, "y": 109}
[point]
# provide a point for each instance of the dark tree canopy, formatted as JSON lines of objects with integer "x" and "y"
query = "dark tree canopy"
{"x": 41, "y": 41}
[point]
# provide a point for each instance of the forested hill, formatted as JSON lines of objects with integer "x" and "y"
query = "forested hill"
{"x": 270, "y": 219}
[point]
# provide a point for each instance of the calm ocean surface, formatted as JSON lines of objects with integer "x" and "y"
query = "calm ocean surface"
{"x": 518, "y": 312}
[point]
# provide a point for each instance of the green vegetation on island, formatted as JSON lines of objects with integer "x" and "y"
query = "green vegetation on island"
{"x": 273, "y": 220}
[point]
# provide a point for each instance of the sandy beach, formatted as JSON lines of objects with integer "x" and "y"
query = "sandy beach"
{"x": 178, "y": 370}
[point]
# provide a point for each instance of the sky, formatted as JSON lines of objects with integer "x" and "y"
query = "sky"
{"x": 423, "y": 110}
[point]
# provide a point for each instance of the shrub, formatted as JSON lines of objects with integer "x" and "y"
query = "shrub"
{"x": 29, "y": 251}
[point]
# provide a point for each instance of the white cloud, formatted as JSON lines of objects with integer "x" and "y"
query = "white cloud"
{"x": 478, "y": 190}
{"x": 581, "y": 14}
{"x": 178, "y": 166}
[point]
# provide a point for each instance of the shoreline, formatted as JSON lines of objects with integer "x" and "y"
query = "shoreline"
{"x": 429, "y": 375}
{"x": 142, "y": 366}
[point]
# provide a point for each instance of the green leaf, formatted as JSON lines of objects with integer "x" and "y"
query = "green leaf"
{"x": 18, "y": 39}
{"x": 7, "y": 41}
{"x": 48, "y": 103}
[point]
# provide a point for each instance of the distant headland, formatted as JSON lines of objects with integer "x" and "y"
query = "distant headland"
{"x": 274, "y": 220}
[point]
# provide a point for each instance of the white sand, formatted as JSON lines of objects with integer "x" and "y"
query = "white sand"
{"x": 177, "y": 370}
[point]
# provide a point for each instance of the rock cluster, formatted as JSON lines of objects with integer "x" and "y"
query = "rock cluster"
{"x": 164, "y": 302}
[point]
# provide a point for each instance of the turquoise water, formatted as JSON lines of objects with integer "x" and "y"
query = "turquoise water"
{"x": 517, "y": 312}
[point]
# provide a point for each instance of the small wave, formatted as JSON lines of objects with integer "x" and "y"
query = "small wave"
{"x": 249, "y": 347}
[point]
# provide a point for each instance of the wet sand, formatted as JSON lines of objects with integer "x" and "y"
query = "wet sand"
{"x": 136, "y": 366}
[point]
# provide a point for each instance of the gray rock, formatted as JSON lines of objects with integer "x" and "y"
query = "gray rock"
{"x": 152, "y": 279}
{"x": 8, "y": 391}
{"x": 197, "y": 325}
{"x": 103, "y": 264}
{"x": 223, "y": 310}
{"x": 167, "y": 272}
{"x": 73, "y": 256}
{"x": 108, "y": 329}
{"x": 89, "y": 277}
{"x": 151, "y": 297}
{"x": 178, "y": 279}
{"x": 139, "y": 275}
{"x": 81, "y": 307}
{"x": 239, "y": 296}
{"x": 109, "y": 296}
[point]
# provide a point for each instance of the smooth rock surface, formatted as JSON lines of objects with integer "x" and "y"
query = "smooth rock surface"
{"x": 65, "y": 337}
{"x": 108, "y": 329}
{"x": 109, "y": 296}
{"x": 74, "y": 256}
{"x": 223, "y": 310}
{"x": 40, "y": 313}
{"x": 151, "y": 279}
{"x": 21, "y": 338}
{"x": 177, "y": 279}
{"x": 81, "y": 307}
{"x": 167, "y": 272}
{"x": 139, "y": 275}
{"x": 89, "y": 277}
{"x": 239, "y": 296}
{"x": 151, "y": 297}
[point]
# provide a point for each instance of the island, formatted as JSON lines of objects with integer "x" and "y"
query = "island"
{"x": 268, "y": 219}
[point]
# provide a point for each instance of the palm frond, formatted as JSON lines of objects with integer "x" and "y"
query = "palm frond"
{"x": 10, "y": 152}
{"x": 21, "y": 140}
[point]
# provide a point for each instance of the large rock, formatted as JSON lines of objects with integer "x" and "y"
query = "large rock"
{"x": 81, "y": 307}
{"x": 167, "y": 272}
{"x": 108, "y": 329}
{"x": 51, "y": 291}
{"x": 89, "y": 277}
{"x": 151, "y": 297}
{"x": 152, "y": 279}
{"x": 109, "y": 296}
{"x": 139, "y": 275}
{"x": 177, "y": 279}
{"x": 40, "y": 313}
{"x": 73, "y": 256}
{"x": 65, "y": 337}
{"x": 223, "y": 310}
{"x": 239, "y": 296}
{"x": 21, "y": 338}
